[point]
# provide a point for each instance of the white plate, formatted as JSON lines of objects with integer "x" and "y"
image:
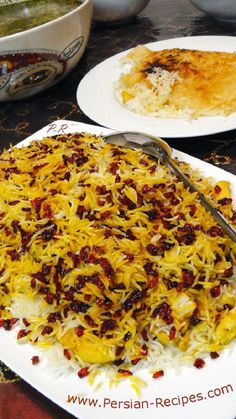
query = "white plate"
{"x": 190, "y": 393}
{"x": 96, "y": 97}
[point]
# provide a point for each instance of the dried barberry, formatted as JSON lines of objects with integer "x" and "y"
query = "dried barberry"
{"x": 199, "y": 363}
{"x": 79, "y": 307}
{"x": 79, "y": 330}
{"x": 215, "y": 291}
{"x": 214, "y": 355}
{"x": 158, "y": 374}
{"x": 67, "y": 354}
{"x": 124, "y": 372}
{"x": 152, "y": 249}
{"x": 53, "y": 317}
{"x": 109, "y": 324}
{"x": 35, "y": 359}
{"x": 47, "y": 330}
{"x": 83, "y": 372}
{"x": 133, "y": 298}
{"x": 106, "y": 266}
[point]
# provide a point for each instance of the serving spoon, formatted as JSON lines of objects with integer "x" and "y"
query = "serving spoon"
{"x": 158, "y": 148}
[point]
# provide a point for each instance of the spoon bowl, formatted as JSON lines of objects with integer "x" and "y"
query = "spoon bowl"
{"x": 137, "y": 140}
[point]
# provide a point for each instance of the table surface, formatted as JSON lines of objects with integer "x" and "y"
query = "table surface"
{"x": 161, "y": 19}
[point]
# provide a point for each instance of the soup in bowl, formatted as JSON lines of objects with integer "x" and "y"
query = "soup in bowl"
{"x": 41, "y": 41}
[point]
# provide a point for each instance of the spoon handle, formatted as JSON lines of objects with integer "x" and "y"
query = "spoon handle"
{"x": 226, "y": 227}
{"x": 158, "y": 148}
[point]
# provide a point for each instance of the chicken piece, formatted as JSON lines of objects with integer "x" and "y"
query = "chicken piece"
{"x": 226, "y": 300}
{"x": 93, "y": 352}
{"x": 163, "y": 338}
{"x": 226, "y": 330}
{"x": 183, "y": 343}
{"x": 183, "y": 306}
{"x": 221, "y": 190}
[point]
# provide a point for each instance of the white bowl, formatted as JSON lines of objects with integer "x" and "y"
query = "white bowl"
{"x": 116, "y": 10}
{"x": 222, "y": 10}
{"x": 35, "y": 59}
